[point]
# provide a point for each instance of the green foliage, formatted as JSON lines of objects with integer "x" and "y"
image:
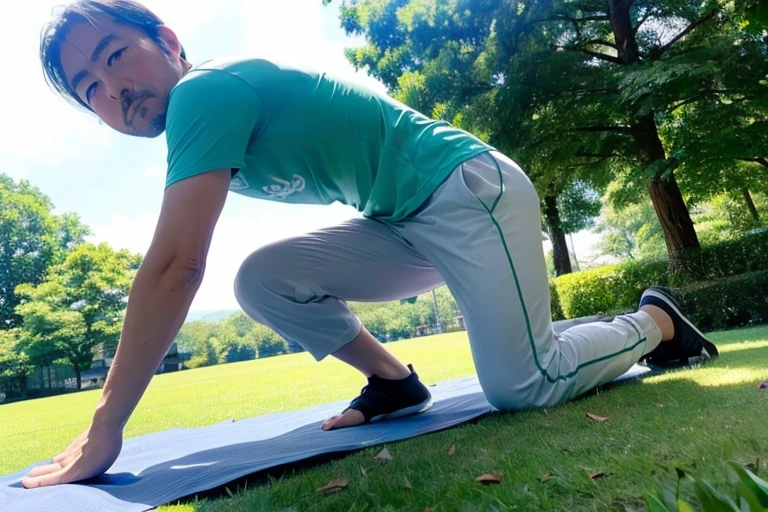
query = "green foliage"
{"x": 238, "y": 338}
{"x": 397, "y": 320}
{"x": 726, "y": 215}
{"x": 728, "y": 302}
{"x": 714, "y": 304}
{"x": 31, "y": 240}
{"x": 586, "y": 92}
{"x": 745, "y": 253}
{"x": 15, "y": 365}
{"x": 579, "y": 205}
{"x": 554, "y": 300}
{"x": 631, "y": 232}
{"x": 79, "y": 305}
{"x": 586, "y": 293}
{"x": 750, "y": 494}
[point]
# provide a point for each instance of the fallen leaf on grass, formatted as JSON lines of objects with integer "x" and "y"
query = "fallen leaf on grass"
{"x": 490, "y": 478}
{"x": 545, "y": 478}
{"x": 597, "y": 418}
{"x": 452, "y": 450}
{"x": 660, "y": 406}
{"x": 334, "y": 486}
{"x": 363, "y": 472}
{"x": 384, "y": 455}
{"x": 407, "y": 484}
{"x": 427, "y": 509}
{"x": 595, "y": 476}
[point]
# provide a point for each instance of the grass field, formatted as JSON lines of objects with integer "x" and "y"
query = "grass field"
{"x": 694, "y": 418}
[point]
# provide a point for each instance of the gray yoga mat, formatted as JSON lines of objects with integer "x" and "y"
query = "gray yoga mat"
{"x": 160, "y": 468}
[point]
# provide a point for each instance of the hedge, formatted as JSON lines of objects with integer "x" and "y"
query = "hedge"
{"x": 610, "y": 289}
{"x": 726, "y": 303}
{"x": 733, "y": 291}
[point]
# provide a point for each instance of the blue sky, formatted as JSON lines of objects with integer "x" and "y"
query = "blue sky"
{"x": 115, "y": 182}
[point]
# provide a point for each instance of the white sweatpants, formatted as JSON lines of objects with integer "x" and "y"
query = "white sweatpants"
{"x": 479, "y": 233}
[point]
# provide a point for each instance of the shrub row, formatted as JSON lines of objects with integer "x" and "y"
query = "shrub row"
{"x": 715, "y": 304}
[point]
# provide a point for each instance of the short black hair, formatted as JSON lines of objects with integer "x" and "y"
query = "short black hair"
{"x": 123, "y": 12}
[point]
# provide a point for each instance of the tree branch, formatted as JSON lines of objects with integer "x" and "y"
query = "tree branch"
{"x": 597, "y": 55}
{"x": 697, "y": 97}
{"x": 617, "y": 128}
{"x": 560, "y": 17}
{"x": 758, "y": 160}
{"x": 594, "y": 162}
{"x": 659, "y": 52}
{"x": 598, "y": 155}
{"x": 602, "y": 42}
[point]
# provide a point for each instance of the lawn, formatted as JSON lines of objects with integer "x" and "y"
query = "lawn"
{"x": 694, "y": 419}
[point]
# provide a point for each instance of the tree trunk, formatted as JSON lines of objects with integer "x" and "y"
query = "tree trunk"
{"x": 750, "y": 204}
{"x": 560, "y": 254}
{"x": 671, "y": 210}
{"x": 78, "y": 374}
{"x": 674, "y": 218}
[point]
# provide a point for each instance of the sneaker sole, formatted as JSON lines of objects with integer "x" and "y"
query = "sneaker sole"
{"x": 406, "y": 411}
{"x": 709, "y": 350}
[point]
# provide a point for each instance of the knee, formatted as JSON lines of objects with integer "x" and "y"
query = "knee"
{"x": 510, "y": 402}
{"x": 257, "y": 277}
{"x": 535, "y": 395}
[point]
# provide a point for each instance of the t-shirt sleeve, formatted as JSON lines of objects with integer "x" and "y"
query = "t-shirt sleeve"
{"x": 210, "y": 119}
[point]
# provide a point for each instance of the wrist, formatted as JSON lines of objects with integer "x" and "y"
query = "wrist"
{"x": 105, "y": 416}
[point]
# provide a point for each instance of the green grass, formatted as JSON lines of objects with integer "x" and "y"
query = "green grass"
{"x": 693, "y": 418}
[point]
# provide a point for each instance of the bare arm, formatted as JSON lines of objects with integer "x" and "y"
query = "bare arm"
{"x": 164, "y": 287}
{"x": 160, "y": 297}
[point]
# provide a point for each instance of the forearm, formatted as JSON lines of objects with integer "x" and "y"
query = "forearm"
{"x": 157, "y": 306}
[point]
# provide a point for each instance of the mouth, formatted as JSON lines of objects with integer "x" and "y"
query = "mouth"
{"x": 136, "y": 108}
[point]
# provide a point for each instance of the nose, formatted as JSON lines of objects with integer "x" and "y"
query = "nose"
{"x": 117, "y": 88}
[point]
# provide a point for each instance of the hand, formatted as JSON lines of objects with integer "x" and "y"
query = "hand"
{"x": 91, "y": 454}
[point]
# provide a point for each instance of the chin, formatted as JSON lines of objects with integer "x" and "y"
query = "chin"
{"x": 154, "y": 128}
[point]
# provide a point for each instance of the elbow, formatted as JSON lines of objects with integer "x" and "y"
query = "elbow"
{"x": 188, "y": 271}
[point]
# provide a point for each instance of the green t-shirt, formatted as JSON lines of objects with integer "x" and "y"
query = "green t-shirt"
{"x": 302, "y": 137}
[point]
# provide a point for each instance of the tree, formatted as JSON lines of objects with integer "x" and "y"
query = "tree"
{"x": 563, "y": 86}
{"x": 442, "y": 58}
{"x": 267, "y": 341}
{"x": 566, "y": 213}
{"x": 15, "y": 365}
{"x": 194, "y": 339}
{"x": 31, "y": 240}
{"x": 631, "y": 232}
{"x": 79, "y": 305}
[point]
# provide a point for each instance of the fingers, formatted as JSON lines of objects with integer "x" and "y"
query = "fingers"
{"x": 63, "y": 455}
{"x": 44, "y": 470}
{"x": 52, "y": 478}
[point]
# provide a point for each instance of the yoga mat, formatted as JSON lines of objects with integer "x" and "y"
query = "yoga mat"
{"x": 160, "y": 468}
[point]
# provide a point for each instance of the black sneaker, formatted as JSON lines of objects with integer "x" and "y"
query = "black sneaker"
{"x": 387, "y": 398}
{"x": 688, "y": 346}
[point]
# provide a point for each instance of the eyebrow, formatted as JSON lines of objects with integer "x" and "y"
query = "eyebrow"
{"x": 94, "y": 57}
{"x": 102, "y": 46}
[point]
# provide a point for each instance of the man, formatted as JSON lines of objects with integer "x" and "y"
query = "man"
{"x": 439, "y": 206}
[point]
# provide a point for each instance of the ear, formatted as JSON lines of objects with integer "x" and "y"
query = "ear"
{"x": 171, "y": 41}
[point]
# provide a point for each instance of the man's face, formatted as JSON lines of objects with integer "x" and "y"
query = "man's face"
{"x": 122, "y": 74}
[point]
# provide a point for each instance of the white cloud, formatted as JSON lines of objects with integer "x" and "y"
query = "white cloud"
{"x": 153, "y": 171}
{"x": 245, "y": 226}
{"x": 303, "y": 41}
{"x": 57, "y": 140}
{"x": 44, "y": 129}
